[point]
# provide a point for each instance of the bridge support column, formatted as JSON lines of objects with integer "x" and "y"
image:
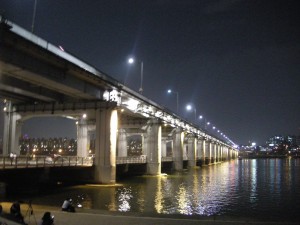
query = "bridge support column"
{"x": 224, "y": 153}
{"x": 163, "y": 147}
{"x": 192, "y": 151}
{"x": 221, "y": 152}
{"x": 232, "y": 153}
{"x": 199, "y": 154}
{"x": 122, "y": 143}
{"x": 18, "y": 134}
{"x": 218, "y": 153}
{"x": 153, "y": 147}
{"x": 106, "y": 142}
{"x": 178, "y": 139}
{"x": 208, "y": 154}
{"x": 12, "y": 132}
{"x": 202, "y": 149}
{"x": 214, "y": 152}
{"x": 82, "y": 138}
{"x": 227, "y": 153}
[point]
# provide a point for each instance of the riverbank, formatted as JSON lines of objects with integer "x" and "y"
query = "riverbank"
{"x": 93, "y": 217}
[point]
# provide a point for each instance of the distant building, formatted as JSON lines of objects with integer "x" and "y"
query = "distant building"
{"x": 42, "y": 146}
{"x": 275, "y": 140}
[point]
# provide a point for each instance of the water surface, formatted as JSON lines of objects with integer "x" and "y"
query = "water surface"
{"x": 266, "y": 189}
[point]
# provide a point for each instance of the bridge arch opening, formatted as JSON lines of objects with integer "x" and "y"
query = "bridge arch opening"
{"x": 48, "y": 135}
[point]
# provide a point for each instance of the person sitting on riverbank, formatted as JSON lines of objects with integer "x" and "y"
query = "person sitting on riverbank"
{"x": 15, "y": 210}
{"x": 67, "y": 205}
{"x": 47, "y": 219}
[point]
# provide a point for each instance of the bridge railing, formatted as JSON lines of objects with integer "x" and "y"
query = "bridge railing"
{"x": 139, "y": 159}
{"x": 131, "y": 160}
{"x": 7, "y": 162}
{"x": 167, "y": 159}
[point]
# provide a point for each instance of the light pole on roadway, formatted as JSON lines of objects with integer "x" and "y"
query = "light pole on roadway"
{"x": 177, "y": 98}
{"x": 131, "y": 61}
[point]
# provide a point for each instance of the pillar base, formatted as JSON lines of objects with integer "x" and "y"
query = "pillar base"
{"x": 192, "y": 163}
{"x": 105, "y": 175}
{"x": 154, "y": 168}
{"x": 178, "y": 165}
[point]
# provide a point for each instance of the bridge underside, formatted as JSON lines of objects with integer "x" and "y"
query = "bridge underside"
{"x": 31, "y": 73}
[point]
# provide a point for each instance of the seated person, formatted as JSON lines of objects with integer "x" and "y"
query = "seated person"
{"x": 47, "y": 219}
{"x": 67, "y": 205}
{"x": 15, "y": 210}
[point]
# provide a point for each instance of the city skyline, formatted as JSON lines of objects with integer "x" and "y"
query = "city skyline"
{"x": 236, "y": 62}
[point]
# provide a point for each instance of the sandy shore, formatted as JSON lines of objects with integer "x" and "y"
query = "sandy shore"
{"x": 95, "y": 217}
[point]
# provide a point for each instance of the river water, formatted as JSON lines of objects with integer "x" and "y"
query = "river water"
{"x": 264, "y": 189}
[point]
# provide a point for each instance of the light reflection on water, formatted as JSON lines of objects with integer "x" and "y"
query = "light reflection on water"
{"x": 248, "y": 188}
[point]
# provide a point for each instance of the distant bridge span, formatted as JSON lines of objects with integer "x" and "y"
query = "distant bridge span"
{"x": 39, "y": 79}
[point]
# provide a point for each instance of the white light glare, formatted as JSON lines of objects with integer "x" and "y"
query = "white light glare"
{"x": 189, "y": 107}
{"x": 130, "y": 60}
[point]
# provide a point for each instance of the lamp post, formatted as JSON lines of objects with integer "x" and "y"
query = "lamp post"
{"x": 131, "y": 61}
{"x": 202, "y": 118}
{"x": 33, "y": 16}
{"x": 177, "y": 99}
{"x": 189, "y": 108}
{"x": 205, "y": 121}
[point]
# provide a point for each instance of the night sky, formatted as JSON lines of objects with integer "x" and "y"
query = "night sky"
{"x": 236, "y": 61}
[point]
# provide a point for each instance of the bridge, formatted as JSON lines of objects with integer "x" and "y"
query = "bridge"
{"x": 38, "y": 79}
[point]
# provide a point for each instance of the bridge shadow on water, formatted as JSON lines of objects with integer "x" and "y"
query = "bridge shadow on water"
{"x": 31, "y": 181}
{"x": 34, "y": 180}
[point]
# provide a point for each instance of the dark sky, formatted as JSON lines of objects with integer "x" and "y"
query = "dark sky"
{"x": 236, "y": 61}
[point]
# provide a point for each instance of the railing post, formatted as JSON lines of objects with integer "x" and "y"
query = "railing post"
{"x": 69, "y": 160}
{"x": 27, "y": 161}
{"x": 16, "y": 162}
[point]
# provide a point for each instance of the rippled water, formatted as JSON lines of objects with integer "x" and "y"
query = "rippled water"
{"x": 256, "y": 188}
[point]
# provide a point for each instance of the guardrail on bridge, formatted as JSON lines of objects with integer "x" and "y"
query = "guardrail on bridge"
{"x": 8, "y": 162}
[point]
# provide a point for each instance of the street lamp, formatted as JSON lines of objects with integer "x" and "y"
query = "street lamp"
{"x": 131, "y": 61}
{"x": 189, "y": 108}
{"x": 177, "y": 97}
{"x": 205, "y": 122}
